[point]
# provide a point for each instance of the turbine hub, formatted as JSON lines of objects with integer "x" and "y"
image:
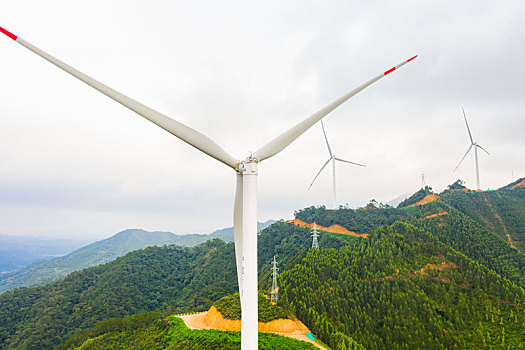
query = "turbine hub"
{"x": 247, "y": 166}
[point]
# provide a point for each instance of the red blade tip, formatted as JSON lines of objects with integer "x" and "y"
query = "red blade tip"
{"x": 410, "y": 59}
{"x": 9, "y": 34}
{"x": 389, "y": 71}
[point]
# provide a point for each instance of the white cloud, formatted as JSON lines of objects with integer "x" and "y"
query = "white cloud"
{"x": 72, "y": 160}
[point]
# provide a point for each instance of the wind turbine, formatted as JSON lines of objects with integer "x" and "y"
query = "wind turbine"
{"x": 476, "y": 146}
{"x": 245, "y": 207}
{"x": 332, "y": 158}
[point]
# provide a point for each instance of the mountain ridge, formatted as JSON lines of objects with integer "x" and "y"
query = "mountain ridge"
{"x": 104, "y": 251}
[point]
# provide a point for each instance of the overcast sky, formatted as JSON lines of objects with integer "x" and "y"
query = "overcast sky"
{"x": 74, "y": 163}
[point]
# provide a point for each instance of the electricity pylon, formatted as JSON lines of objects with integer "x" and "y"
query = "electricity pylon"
{"x": 315, "y": 243}
{"x": 275, "y": 289}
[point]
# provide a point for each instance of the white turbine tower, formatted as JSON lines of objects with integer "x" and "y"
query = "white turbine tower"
{"x": 245, "y": 207}
{"x": 476, "y": 146}
{"x": 332, "y": 158}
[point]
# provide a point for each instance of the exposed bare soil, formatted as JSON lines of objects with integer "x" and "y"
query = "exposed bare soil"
{"x": 213, "y": 320}
{"x": 442, "y": 266}
{"x": 496, "y": 215}
{"x": 428, "y": 198}
{"x": 333, "y": 228}
{"x": 519, "y": 184}
{"x": 434, "y": 215}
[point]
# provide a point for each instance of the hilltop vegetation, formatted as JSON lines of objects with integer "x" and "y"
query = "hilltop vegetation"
{"x": 360, "y": 220}
{"x": 520, "y": 183}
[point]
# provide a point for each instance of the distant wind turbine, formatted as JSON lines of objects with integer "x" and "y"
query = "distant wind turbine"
{"x": 332, "y": 158}
{"x": 476, "y": 146}
{"x": 245, "y": 205}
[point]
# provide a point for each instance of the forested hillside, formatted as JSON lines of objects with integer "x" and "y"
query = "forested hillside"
{"x": 475, "y": 240}
{"x": 288, "y": 242}
{"x": 175, "y": 278}
{"x": 502, "y": 211}
{"x": 461, "y": 229}
{"x": 403, "y": 289}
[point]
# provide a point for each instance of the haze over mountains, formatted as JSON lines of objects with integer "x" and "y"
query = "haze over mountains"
{"x": 17, "y": 252}
{"x": 102, "y": 252}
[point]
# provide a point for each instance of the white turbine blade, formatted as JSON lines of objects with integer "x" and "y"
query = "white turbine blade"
{"x": 282, "y": 141}
{"x": 319, "y": 173}
{"x": 468, "y": 150}
{"x": 346, "y": 161}
{"x": 469, "y": 133}
{"x": 483, "y": 149}
{"x": 237, "y": 228}
{"x": 326, "y": 139}
{"x": 183, "y": 132}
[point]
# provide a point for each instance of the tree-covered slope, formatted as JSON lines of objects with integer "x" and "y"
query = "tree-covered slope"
{"x": 502, "y": 211}
{"x": 449, "y": 225}
{"x": 403, "y": 289}
{"x": 473, "y": 239}
{"x": 288, "y": 242}
{"x": 520, "y": 183}
{"x": 183, "y": 279}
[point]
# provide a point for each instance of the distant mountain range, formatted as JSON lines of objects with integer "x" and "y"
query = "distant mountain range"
{"x": 395, "y": 202}
{"x": 104, "y": 251}
{"x": 17, "y": 252}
